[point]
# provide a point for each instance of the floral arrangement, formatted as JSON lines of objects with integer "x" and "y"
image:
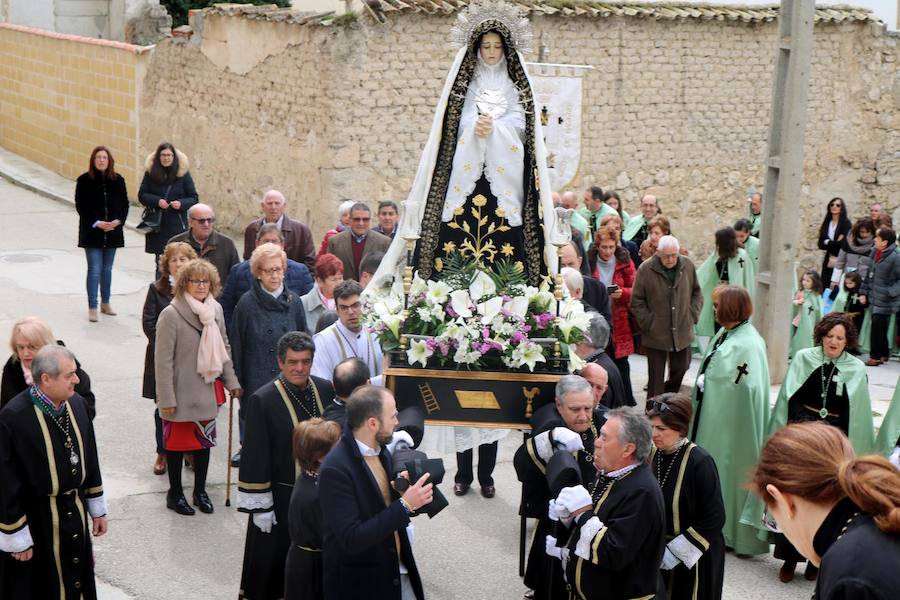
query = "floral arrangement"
{"x": 477, "y": 317}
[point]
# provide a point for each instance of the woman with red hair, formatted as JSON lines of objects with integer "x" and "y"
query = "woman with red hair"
{"x": 329, "y": 271}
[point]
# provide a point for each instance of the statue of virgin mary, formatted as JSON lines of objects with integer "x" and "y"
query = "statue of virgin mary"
{"x": 481, "y": 185}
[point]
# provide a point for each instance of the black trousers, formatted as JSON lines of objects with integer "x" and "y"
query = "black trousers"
{"x": 487, "y": 459}
{"x": 880, "y": 346}
{"x": 625, "y": 371}
{"x": 175, "y": 461}
{"x": 678, "y": 361}
{"x": 160, "y": 449}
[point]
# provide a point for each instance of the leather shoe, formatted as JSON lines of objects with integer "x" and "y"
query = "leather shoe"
{"x": 873, "y": 362}
{"x": 159, "y": 467}
{"x": 488, "y": 491}
{"x": 460, "y": 489}
{"x": 786, "y": 574}
{"x": 811, "y": 572}
{"x": 201, "y": 501}
{"x": 179, "y": 505}
{"x": 236, "y": 459}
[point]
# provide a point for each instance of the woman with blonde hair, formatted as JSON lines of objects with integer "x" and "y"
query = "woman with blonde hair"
{"x": 30, "y": 334}
{"x": 159, "y": 295}
{"x": 840, "y": 512}
{"x": 191, "y": 355}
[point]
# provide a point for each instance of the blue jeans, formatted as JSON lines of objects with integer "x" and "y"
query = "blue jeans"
{"x": 99, "y": 273}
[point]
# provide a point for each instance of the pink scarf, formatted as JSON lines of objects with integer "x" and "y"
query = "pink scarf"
{"x": 212, "y": 354}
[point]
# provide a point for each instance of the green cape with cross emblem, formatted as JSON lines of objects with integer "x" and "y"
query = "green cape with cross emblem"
{"x": 731, "y": 424}
{"x": 741, "y": 271}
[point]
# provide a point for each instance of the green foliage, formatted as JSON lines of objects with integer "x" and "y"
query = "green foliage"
{"x": 179, "y": 8}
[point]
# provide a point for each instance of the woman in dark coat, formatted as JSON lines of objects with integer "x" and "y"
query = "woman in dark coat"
{"x": 264, "y": 313}
{"x": 167, "y": 185}
{"x": 176, "y": 255}
{"x": 30, "y": 334}
{"x": 313, "y": 439}
{"x": 694, "y": 560}
{"x": 102, "y": 205}
{"x": 841, "y": 512}
{"x": 834, "y": 228}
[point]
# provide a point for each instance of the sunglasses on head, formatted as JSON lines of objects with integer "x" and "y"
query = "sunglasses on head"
{"x": 657, "y": 405}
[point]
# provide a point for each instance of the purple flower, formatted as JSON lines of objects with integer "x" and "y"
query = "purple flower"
{"x": 517, "y": 338}
{"x": 451, "y": 312}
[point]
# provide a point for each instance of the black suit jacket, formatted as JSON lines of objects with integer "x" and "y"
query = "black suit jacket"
{"x": 596, "y": 296}
{"x": 359, "y": 555}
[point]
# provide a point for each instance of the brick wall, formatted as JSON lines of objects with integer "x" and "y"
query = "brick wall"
{"x": 61, "y": 95}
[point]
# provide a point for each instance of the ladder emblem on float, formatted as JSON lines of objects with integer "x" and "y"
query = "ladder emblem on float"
{"x": 428, "y": 397}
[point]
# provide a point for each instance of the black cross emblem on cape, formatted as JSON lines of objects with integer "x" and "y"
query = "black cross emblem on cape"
{"x": 741, "y": 262}
{"x": 741, "y": 371}
{"x": 809, "y": 309}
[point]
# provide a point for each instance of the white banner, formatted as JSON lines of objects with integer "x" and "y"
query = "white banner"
{"x": 558, "y": 99}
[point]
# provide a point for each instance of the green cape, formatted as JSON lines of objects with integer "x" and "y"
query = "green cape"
{"x": 852, "y": 373}
{"x": 751, "y": 246}
{"x": 865, "y": 334}
{"x": 732, "y": 422}
{"x": 632, "y": 227}
{"x": 890, "y": 426}
{"x": 755, "y": 221}
{"x": 741, "y": 271}
{"x": 605, "y": 209}
{"x": 810, "y": 315}
{"x": 580, "y": 224}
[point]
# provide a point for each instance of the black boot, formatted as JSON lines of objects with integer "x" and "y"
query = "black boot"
{"x": 179, "y": 504}
{"x": 201, "y": 501}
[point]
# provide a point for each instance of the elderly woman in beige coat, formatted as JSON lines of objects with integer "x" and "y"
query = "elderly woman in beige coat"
{"x": 193, "y": 366}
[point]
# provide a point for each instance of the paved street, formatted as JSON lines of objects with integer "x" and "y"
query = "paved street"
{"x": 468, "y": 551}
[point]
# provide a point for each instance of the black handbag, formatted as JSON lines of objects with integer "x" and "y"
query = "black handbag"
{"x": 151, "y": 218}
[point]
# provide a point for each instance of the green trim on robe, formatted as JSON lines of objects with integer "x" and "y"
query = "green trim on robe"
{"x": 865, "y": 334}
{"x": 732, "y": 423}
{"x": 890, "y": 426}
{"x": 802, "y": 336}
{"x": 741, "y": 271}
{"x": 633, "y": 226}
{"x": 852, "y": 373}
{"x": 751, "y": 246}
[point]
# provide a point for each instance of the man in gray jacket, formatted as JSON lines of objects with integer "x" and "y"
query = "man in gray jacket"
{"x": 666, "y": 302}
{"x": 881, "y": 291}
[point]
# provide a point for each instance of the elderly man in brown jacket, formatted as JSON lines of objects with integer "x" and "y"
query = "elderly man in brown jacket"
{"x": 666, "y": 301}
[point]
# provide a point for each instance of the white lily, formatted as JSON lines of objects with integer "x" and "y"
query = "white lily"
{"x": 490, "y": 309}
{"x": 418, "y": 352}
{"x": 438, "y": 292}
{"x": 392, "y": 322}
{"x": 482, "y": 286}
{"x": 528, "y": 353}
{"x": 544, "y": 301}
{"x": 418, "y": 286}
{"x": 459, "y": 302}
{"x": 576, "y": 363}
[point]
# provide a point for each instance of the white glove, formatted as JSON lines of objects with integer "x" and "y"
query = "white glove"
{"x": 701, "y": 379}
{"x": 669, "y": 561}
{"x": 552, "y": 511}
{"x": 895, "y": 457}
{"x": 265, "y": 521}
{"x": 568, "y": 440}
{"x": 573, "y": 498}
{"x": 553, "y": 550}
{"x": 398, "y": 437}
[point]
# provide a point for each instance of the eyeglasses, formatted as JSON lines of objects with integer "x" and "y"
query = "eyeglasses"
{"x": 349, "y": 307}
{"x": 199, "y": 282}
{"x": 769, "y": 523}
{"x": 273, "y": 271}
{"x": 209, "y": 221}
{"x": 658, "y": 406}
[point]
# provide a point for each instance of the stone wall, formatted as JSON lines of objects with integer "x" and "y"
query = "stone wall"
{"x": 679, "y": 107}
{"x": 61, "y": 95}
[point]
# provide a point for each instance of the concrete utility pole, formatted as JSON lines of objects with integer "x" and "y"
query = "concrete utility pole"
{"x": 784, "y": 175}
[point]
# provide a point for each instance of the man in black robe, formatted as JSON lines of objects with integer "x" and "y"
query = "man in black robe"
{"x": 349, "y": 374}
{"x": 569, "y": 425}
{"x": 593, "y": 350}
{"x": 268, "y": 470}
{"x": 615, "y": 532}
{"x": 49, "y": 482}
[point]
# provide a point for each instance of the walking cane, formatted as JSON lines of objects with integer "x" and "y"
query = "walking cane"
{"x": 228, "y": 457}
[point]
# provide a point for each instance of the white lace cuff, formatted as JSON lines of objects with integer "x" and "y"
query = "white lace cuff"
{"x": 97, "y": 507}
{"x": 586, "y": 537}
{"x": 542, "y": 446}
{"x": 686, "y": 552}
{"x": 254, "y": 502}
{"x": 19, "y": 541}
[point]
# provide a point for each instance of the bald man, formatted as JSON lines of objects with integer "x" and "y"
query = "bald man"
{"x": 208, "y": 243}
{"x": 599, "y": 380}
{"x": 578, "y": 222}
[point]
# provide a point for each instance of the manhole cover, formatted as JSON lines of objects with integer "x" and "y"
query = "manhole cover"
{"x": 24, "y": 258}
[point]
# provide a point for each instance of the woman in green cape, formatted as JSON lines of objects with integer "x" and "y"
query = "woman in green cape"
{"x": 746, "y": 241}
{"x": 825, "y": 383}
{"x": 807, "y": 312}
{"x": 889, "y": 433}
{"x": 729, "y": 265}
{"x": 731, "y": 408}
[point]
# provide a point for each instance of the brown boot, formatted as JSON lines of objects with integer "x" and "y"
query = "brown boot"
{"x": 786, "y": 574}
{"x": 159, "y": 467}
{"x": 106, "y": 309}
{"x": 92, "y": 315}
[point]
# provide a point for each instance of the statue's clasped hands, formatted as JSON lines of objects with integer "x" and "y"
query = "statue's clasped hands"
{"x": 484, "y": 125}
